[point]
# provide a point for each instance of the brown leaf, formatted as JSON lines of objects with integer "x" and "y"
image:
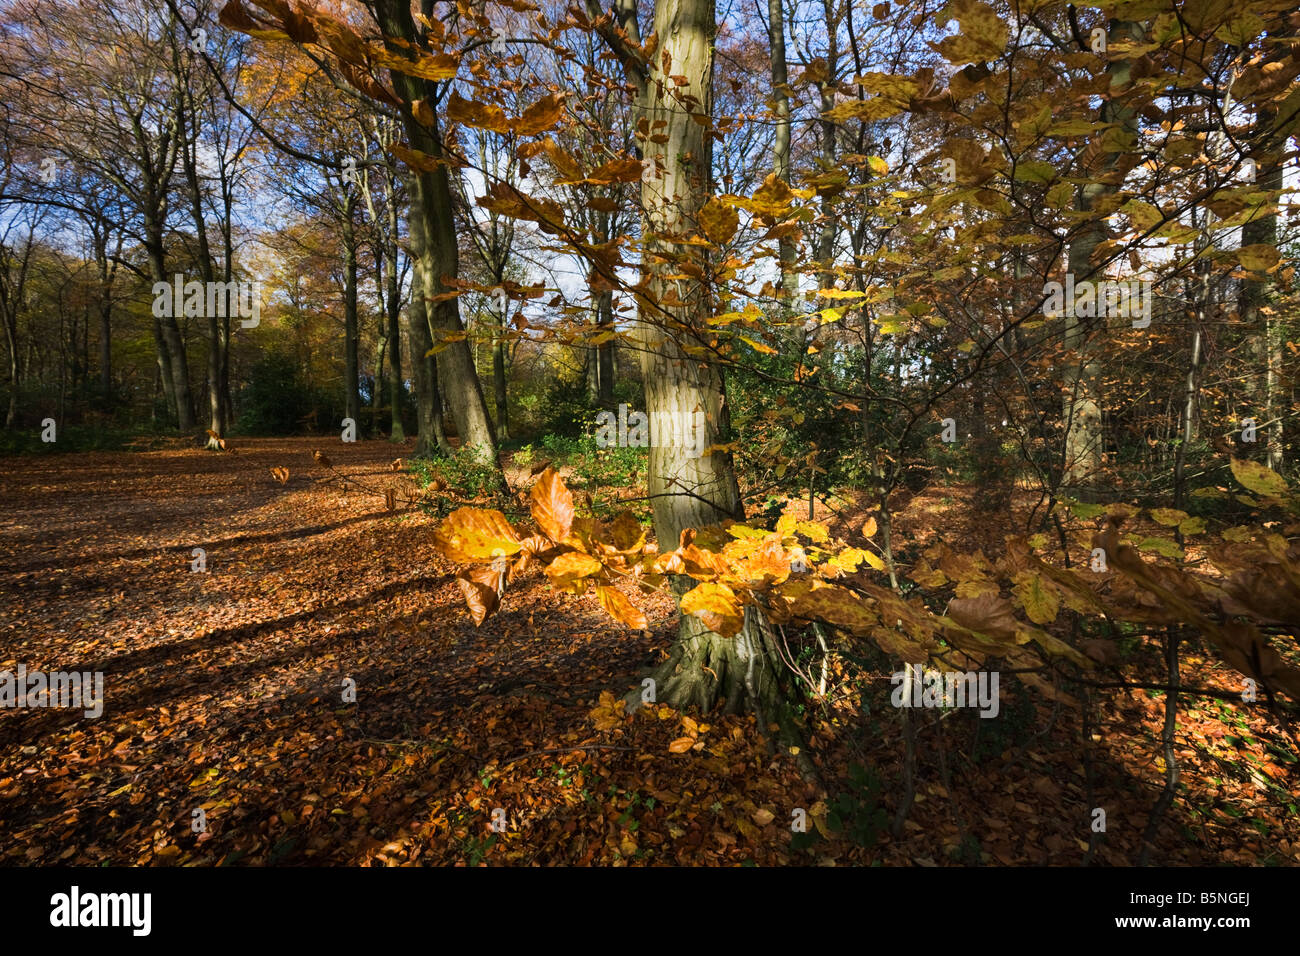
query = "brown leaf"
{"x": 479, "y": 115}
{"x": 552, "y": 505}
{"x": 540, "y": 116}
{"x": 481, "y": 599}
{"x": 617, "y": 605}
{"x": 988, "y": 614}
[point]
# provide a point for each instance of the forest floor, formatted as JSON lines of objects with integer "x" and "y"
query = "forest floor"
{"x": 224, "y": 692}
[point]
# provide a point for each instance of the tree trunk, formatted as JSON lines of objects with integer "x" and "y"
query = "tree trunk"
{"x": 377, "y": 389}
{"x": 688, "y": 492}
{"x": 351, "y": 331}
{"x": 1082, "y": 373}
{"x": 499, "y": 377}
{"x": 425, "y": 371}
{"x": 394, "y": 299}
{"x": 605, "y": 352}
{"x": 1260, "y": 316}
{"x": 786, "y": 251}
{"x": 438, "y": 250}
{"x": 172, "y": 361}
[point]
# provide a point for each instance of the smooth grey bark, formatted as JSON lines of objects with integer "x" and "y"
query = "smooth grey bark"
{"x": 688, "y": 492}
{"x": 1082, "y": 411}
{"x": 351, "y": 327}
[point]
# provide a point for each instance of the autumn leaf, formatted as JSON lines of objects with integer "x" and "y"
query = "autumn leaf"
{"x": 609, "y": 712}
{"x": 552, "y": 505}
{"x": 620, "y": 608}
{"x": 987, "y": 614}
{"x": 1040, "y": 601}
{"x": 616, "y": 171}
{"x": 681, "y": 745}
{"x": 718, "y": 221}
{"x": 481, "y": 600}
{"x": 475, "y": 534}
{"x": 717, "y": 606}
{"x": 540, "y": 116}
{"x": 1258, "y": 258}
{"x": 1258, "y": 478}
{"x": 569, "y": 569}
{"x": 476, "y": 114}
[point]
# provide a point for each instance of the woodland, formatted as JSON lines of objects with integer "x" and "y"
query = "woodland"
{"x": 652, "y": 432}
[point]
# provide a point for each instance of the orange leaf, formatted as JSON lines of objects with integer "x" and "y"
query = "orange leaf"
{"x": 681, "y": 745}
{"x": 717, "y": 606}
{"x": 569, "y": 569}
{"x": 617, "y": 605}
{"x": 474, "y": 113}
{"x": 552, "y": 505}
{"x": 541, "y": 116}
{"x": 475, "y": 534}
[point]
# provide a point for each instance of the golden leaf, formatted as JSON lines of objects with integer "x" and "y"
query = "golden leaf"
{"x": 717, "y": 606}
{"x": 552, "y": 505}
{"x": 718, "y": 221}
{"x": 469, "y": 535}
{"x": 540, "y": 116}
{"x": 620, "y": 608}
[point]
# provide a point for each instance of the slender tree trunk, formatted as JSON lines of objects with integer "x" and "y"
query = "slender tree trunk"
{"x": 605, "y": 351}
{"x": 432, "y": 435}
{"x": 1191, "y": 383}
{"x": 1260, "y": 315}
{"x": 377, "y": 391}
{"x": 172, "y": 359}
{"x": 216, "y": 420}
{"x": 1082, "y": 373}
{"x": 394, "y": 300}
{"x": 223, "y": 353}
{"x": 499, "y": 378}
{"x": 351, "y": 327}
{"x": 11, "y": 414}
{"x": 786, "y": 251}
{"x": 106, "y": 348}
